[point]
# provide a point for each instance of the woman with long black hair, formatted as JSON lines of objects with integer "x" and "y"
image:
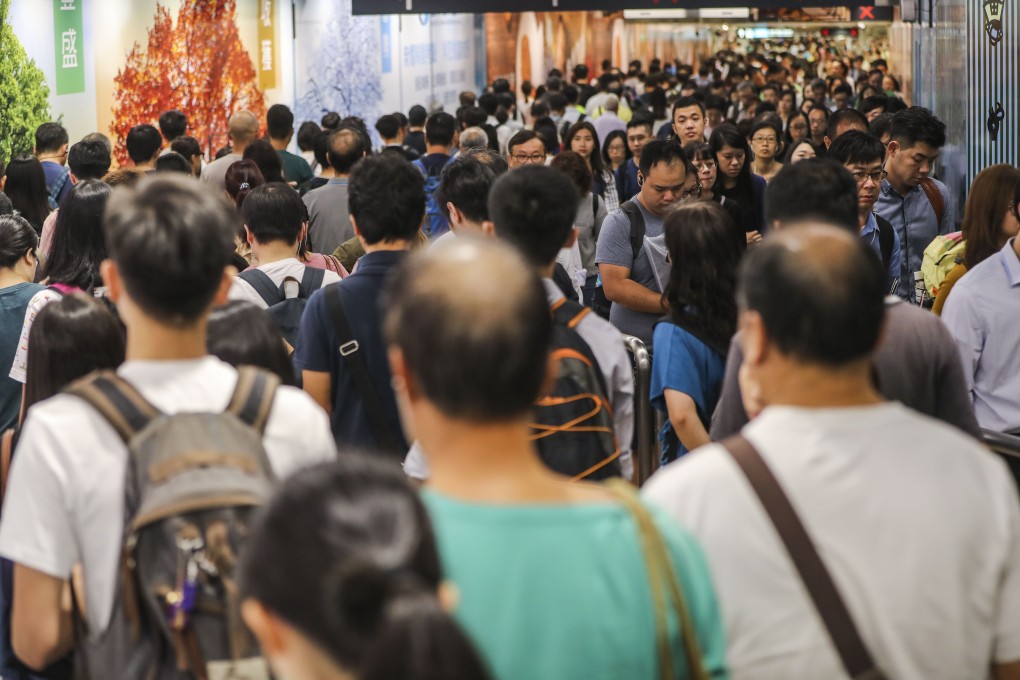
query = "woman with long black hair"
{"x": 582, "y": 139}
{"x": 735, "y": 180}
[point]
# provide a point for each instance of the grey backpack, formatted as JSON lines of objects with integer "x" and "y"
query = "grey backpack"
{"x": 192, "y": 485}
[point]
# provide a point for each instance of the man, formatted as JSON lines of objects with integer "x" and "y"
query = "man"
{"x": 715, "y": 113}
{"x": 463, "y": 192}
{"x": 609, "y": 121}
{"x": 329, "y": 224}
{"x": 868, "y": 479}
{"x": 639, "y": 132}
{"x": 441, "y": 137}
{"x": 880, "y": 127}
{"x": 392, "y": 134}
{"x": 415, "y": 138}
{"x": 192, "y": 152}
{"x": 51, "y": 150}
{"x": 689, "y": 120}
{"x": 243, "y": 129}
{"x": 628, "y": 278}
{"x": 916, "y": 363}
{"x": 981, "y": 316}
{"x": 473, "y": 138}
{"x": 874, "y": 106}
{"x": 524, "y": 148}
{"x": 842, "y": 121}
{"x": 746, "y": 106}
{"x": 172, "y": 124}
{"x": 143, "y": 146}
{"x": 469, "y": 345}
{"x": 918, "y": 206}
{"x": 86, "y": 160}
{"x": 841, "y": 95}
{"x": 863, "y": 156}
{"x": 818, "y": 121}
{"x": 170, "y": 241}
{"x": 280, "y": 125}
{"x": 817, "y": 92}
{"x": 354, "y": 385}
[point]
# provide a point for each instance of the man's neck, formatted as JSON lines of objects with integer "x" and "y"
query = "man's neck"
{"x": 899, "y": 186}
{"x": 59, "y": 160}
{"x": 279, "y": 144}
{"x": 640, "y": 198}
{"x": 435, "y": 148}
{"x": 393, "y": 142}
{"x": 327, "y": 173}
{"x": 415, "y": 129}
{"x": 1016, "y": 246}
{"x": 813, "y": 386}
{"x": 384, "y": 246}
{"x": 151, "y": 341}
{"x": 862, "y": 219}
{"x": 274, "y": 251}
{"x": 239, "y": 147}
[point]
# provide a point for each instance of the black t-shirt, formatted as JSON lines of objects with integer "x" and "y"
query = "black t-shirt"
{"x": 416, "y": 140}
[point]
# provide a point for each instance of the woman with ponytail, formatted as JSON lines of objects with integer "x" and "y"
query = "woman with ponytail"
{"x": 341, "y": 579}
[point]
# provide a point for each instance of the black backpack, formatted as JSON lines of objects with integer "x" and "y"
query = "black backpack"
{"x": 573, "y": 424}
{"x": 637, "y": 225}
{"x": 285, "y": 311}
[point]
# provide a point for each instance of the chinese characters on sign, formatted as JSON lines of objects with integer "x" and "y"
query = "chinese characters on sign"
{"x": 267, "y": 44}
{"x": 68, "y": 46}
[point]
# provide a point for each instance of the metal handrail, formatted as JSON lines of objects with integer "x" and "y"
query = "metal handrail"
{"x": 645, "y": 453}
{"x": 1002, "y": 443}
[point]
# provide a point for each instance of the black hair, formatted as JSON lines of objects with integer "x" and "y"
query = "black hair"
{"x": 440, "y": 128}
{"x": 522, "y": 137}
{"x": 172, "y": 124}
{"x": 539, "y": 109}
{"x": 187, "y": 147}
{"x": 557, "y": 102}
{"x": 50, "y": 137}
{"x": 769, "y": 123}
{"x": 545, "y": 128}
{"x": 844, "y": 118}
{"x": 814, "y": 189}
{"x": 488, "y": 103}
{"x": 875, "y": 101}
{"x": 143, "y": 141}
{"x": 330, "y": 121}
{"x": 662, "y": 151}
{"x": 715, "y": 102}
{"x": 704, "y": 248}
{"x": 267, "y": 158}
{"x": 362, "y": 573}
{"x": 417, "y": 115}
{"x": 88, "y": 160}
{"x": 855, "y": 147}
{"x": 387, "y": 126}
{"x": 501, "y": 85}
{"x": 240, "y": 179}
{"x": 573, "y": 166}
{"x": 274, "y": 212}
{"x": 320, "y": 147}
{"x": 686, "y": 102}
{"x": 472, "y": 117}
{"x": 727, "y": 134}
{"x": 533, "y": 208}
{"x": 174, "y": 162}
{"x": 466, "y": 183}
{"x": 609, "y": 140}
{"x": 26, "y": 187}
{"x": 171, "y": 239}
{"x": 306, "y": 135}
{"x": 478, "y": 352}
{"x": 70, "y": 338}
{"x": 345, "y": 148}
{"x": 822, "y": 310}
{"x": 916, "y": 124}
{"x": 279, "y": 121}
{"x": 572, "y": 94}
{"x": 386, "y": 196}
{"x": 637, "y": 121}
{"x": 243, "y": 334}
{"x": 595, "y": 159}
{"x": 880, "y": 125}
{"x": 78, "y": 246}
{"x": 17, "y": 237}
{"x": 7, "y": 208}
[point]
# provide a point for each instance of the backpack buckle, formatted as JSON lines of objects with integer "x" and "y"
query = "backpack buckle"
{"x": 348, "y": 348}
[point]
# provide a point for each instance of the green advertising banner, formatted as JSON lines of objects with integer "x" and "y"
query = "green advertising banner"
{"x": 69, "y": 46}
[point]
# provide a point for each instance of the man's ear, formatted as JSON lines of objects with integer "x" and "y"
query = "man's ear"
{"x": 489, "y": 228}
{"x": 755, "y": 342}
{"x": 354, "y": 224}
{"x": 827, "y": 141}
{"x": 892, "y": 148}
{"x": 265, "y": 626}
{"x": 456, "y": 217}
{"x": 571, "y": 238}
{"x": 403, "y": 382}
{"x": 640, "y": 178}
{"x": 248, "y": 235}
{"x": 111, "y": 280}
{"x": 226, "y": 281}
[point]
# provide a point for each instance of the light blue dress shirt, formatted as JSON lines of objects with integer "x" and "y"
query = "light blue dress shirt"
{"x": 983, "y": 316}
{"x": 869, "y": 234}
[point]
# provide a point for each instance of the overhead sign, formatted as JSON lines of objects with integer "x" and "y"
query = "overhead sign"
{"x": 482, "y": 6}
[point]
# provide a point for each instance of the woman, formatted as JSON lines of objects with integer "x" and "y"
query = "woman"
{"x": 703, "y": 159}
{"x": 615, "y": 151}
{"x": 591, "y": 212}
{"x": 241, "y": 177}
{"x": 692, "y": 342}
{"x": 241, "y": 334}
{"x": 787, "y": 106}
{"x": 658, "y": 108}
{"x": 733, "y": 157}
{"x": 26, "y": 187}
{"x": 18, "y": 263}
{"x": 890, "y": 86}
{"x": 306, "y": 144}
{"x": 990, "y": 218}
{"x": 767, "y": 147}
{"x": 267, "y": 160}
{"x": 582, "y": 139}
{"x": 797, "y": 128}
{"x": 360, "y": 594}
{"x": 799, "y": 151}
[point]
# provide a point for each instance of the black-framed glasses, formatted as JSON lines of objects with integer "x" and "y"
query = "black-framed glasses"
{"x": 695, "y": 191}
{"x": 875, "y": 177}
{"x": 525, "y": 158}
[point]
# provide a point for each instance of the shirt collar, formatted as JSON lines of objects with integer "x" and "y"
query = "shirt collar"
{"x": 381, "y": 259}
{"x": 887, "y": 189}
{"x": 870, "y": 226}
{"x": 1011, "y": 263}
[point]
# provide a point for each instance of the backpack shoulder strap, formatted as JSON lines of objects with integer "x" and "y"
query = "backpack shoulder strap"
{"x": 886, "y": 239}
{"x": 311, "y": 281}
{"x": 127, "y": 411}
{"x": 253, "y": 396}
{"x": 816, "y": 578}
{"x": 931, "y": 190}
{"x": 263, "y": 285}
{"x": 637, "y": 226}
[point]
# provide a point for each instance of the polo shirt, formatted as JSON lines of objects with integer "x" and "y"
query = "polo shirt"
{"x": 329, "y": 222}
{"x": 295, "y": 168}
{"x": 216, "y": 172}
{"x": 983, "y": 316}
{"x": 319, "y": 350}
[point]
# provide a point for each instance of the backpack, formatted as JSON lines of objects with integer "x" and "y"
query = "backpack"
{"x": 637, "y": 225}
{"x": 285, "y": 311}
{"x": 435, "y": 222}
{"x": 193, "y": 483}
{"x": 573, "y": 424}
{"x": 886, "y": 240}
{"x": 939, "y": 258}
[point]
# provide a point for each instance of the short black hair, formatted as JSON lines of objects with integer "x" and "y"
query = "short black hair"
{"x": 488, "y": 102}
{"x": 662, "y": 151}
{"x": 88, "y": 160}
{"x": 387, "y": 126}
{"x": 917, "y": 125}
{"x": 242, "y": 334}
{"x": 174, "y": 162}
{"x": 821, "y": 305}
{"x": 7, "y": 208}
{"x": 330, "y": 121}
{"x": 641, "y": 121}
{"x": 273, "y": 212}
{"x": 557, "y": 102}
{"x": 386, "y": 196}
{"x": 686, "y": 102}
{"x": 533, "y": 208}
{"x": 440, "y": 128}
{"x": 842, "y": 118}
{"x": 306, "y": 135}
{"x": 345, "y": 148}
{"x": 814, "y": 189}
{"x": 171, "y": 239}
{"x": 466, "y": 183}
{"x": 172, "y": 124}
{"x": 875, "y": 101}
{"x": 522, "y": 137}
{"x": 472, "y": 116}
{"x": 50, "y": 137}
{"x": 417, "y": 115}
{"x": 279, "y": 121}
{"x": 143, "y": 141}
{"x": 186, "y": 146}
{"x": 855, "y": 147}
{"x": 716, "y": 103}
{"x": 880, "y": 125}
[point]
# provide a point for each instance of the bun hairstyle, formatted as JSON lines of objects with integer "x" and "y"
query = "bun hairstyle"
{"x": 17, "y": 237}
{"x": 241, "y": 177}
{"x": 361, "y": 575}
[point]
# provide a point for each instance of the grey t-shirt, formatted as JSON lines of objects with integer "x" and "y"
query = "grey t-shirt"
{"x": 329, "y": 223}
{"x": 216, "y": 172}
{"x": 614, "y": 248}
{"x": 591, "y": 213}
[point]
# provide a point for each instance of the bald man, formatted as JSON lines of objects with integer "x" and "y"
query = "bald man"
{"x": 914, "y": 520}
{"x": 244, "y": 128}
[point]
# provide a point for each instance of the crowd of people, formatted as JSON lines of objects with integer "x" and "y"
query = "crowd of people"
{"x": 368, "y": 411}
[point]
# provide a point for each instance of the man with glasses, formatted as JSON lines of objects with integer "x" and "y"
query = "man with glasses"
{"x": 51, "y": 150}
{"x": 628, "y": 276}
{"x": 525, "y": 148}
{"x": 863, "y": 156}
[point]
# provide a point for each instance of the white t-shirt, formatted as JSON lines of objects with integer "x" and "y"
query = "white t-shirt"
{"x": 65, "y": 498}
{"x": 918, "y": 525}
{"x": 277, "y": 271}
{"x": 19, "y": 369}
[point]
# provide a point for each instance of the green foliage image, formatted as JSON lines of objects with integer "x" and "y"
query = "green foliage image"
{"x": 24, "y": 103}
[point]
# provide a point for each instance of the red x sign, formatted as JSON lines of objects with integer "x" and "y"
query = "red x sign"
{"x": 867, "y": 13}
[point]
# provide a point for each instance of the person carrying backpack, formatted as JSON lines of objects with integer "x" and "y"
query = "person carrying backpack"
{"x": 281, "y": 283}
{"x": 440, "y": 131}
{"x": 157, "y": 464}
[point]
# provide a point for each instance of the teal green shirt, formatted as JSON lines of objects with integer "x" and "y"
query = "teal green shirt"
{"x": 560, "y": 592}
{"x": 295, "y": 168}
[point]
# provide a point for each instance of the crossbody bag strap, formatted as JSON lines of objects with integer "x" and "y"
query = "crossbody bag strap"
{"x": 938, "y": 203}
{"x": 824, "y": 594}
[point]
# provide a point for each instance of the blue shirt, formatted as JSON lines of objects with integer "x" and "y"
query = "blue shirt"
{"x": 55, "y": 173}
{"x": 869, "y": 234}
{"x": 319, "y": 351}
{"x": 983, "y": 316}
{"x": 916, "y": 224}
{"x": 626, "y": 180}
{"x": 13, "y": 303}
{"x": 685, "y": 364}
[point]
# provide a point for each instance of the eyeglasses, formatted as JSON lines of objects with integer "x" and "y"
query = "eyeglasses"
{"x": 705, "y": 165}
{"x": 525, "y": 158}
{"x": 764, "y": 140}
{"x": 875, "y": 177}
{"x": 695, "y": 192}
